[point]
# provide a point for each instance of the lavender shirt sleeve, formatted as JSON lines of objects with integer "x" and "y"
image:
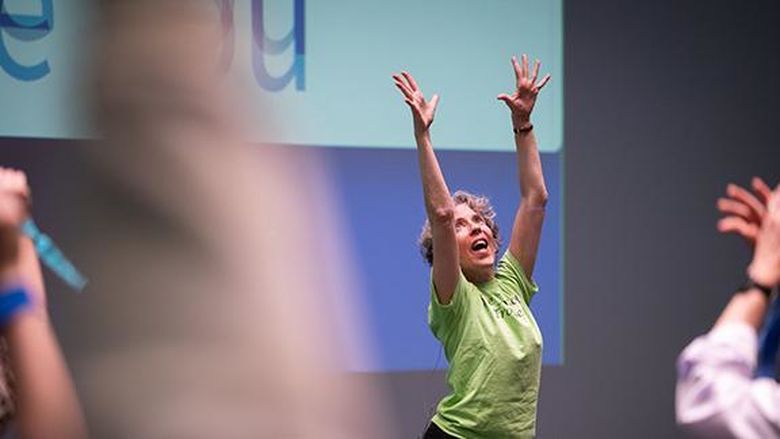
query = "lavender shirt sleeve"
{"x": 717, "y": 395}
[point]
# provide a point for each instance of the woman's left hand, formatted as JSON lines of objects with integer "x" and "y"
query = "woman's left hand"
{"x": 522, "y": 101}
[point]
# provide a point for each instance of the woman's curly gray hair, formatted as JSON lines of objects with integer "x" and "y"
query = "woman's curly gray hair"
{"x": 479, "y": 204}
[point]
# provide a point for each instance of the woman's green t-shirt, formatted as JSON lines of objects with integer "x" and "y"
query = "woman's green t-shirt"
{"x": 494, "y": 349}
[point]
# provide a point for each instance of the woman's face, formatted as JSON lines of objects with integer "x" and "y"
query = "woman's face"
{"x": 476, "y": 245}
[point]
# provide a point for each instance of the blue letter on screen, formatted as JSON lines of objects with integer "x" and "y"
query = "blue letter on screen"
{"x": 263, "y": 45}
{"x": 228, "y": 31}
{"x": 25, "y": 28}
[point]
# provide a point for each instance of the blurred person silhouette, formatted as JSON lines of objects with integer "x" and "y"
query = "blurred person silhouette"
{"x": 220, "y": 303}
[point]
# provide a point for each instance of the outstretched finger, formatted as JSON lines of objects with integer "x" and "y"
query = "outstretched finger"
{"x": 400, "y": 80}
{"x": 517, "y": 68}
{"x": 742, "y": 195}
{"x": 506, "y": 98}
{"x": 434, "y": 101}
{"x": 733, "y": 224}
{"x": 404, "y": 89}
{"x": 411, "y": 81}
{"x": 536, "y": 72}
{"x": 543, "y": 82}
{"x": 761, "y": 189}
{"x": 525, "y": 66}
{"x": 735, "y": 208}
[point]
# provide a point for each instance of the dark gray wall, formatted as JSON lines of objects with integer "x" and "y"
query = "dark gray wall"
{"x": 666, "y": 102}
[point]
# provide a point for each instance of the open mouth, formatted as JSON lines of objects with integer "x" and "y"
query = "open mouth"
{"x": 479, "y": 245}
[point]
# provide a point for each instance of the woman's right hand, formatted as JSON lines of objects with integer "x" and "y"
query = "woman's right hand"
{"x": 423, "y": 111}
{"x": 744, "y": 211}
{"x": 765, "y": 267}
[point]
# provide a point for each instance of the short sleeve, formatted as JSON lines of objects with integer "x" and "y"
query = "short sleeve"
{"x": 511, "y": 273}
{"x": 441, "y": 317}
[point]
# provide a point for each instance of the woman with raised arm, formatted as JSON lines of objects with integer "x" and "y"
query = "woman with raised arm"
{"x": 479, "y": 311}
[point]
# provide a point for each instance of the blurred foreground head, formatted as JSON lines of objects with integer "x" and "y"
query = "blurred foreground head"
{"x": 218, "y": 305}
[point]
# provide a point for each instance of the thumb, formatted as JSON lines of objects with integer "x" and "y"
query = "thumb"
{"x": 504, "y": 97}
{"x": 435, "y": 101}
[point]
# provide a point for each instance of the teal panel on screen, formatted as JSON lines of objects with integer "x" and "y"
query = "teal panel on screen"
{"x": 339, "y": 92}
{"x": 44, "y": 48}
{"x": 458, "y": 49}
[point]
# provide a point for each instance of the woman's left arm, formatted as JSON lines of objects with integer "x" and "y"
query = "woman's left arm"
{"x": 529, "y": 218}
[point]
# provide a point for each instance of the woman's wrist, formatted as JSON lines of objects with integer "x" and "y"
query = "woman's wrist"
{"x": 521, "y": 123}
{"x": 421, "y": 133}
{"x": 762, "y": 274}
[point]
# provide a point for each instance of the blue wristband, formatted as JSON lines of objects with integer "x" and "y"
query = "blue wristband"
{"x": 12, "y": 302}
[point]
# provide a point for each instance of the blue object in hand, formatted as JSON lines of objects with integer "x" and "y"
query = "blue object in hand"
{"x": 53, "y": 258}
{"x": 12, "y": 301}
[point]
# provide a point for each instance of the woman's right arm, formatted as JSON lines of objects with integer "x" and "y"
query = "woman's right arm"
{"x": 438, "y": 202}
